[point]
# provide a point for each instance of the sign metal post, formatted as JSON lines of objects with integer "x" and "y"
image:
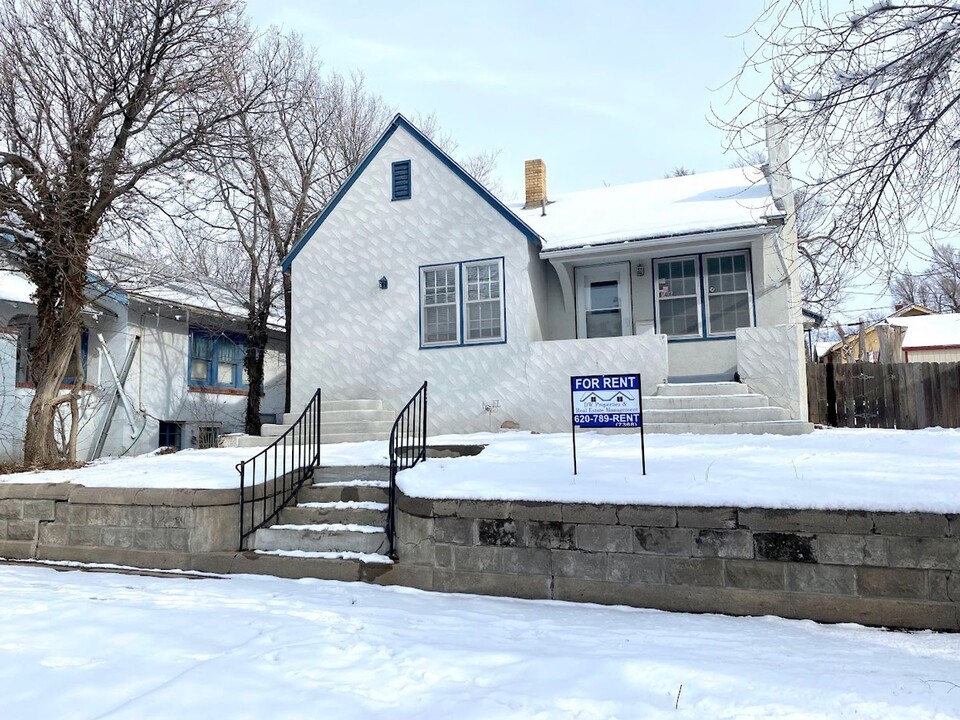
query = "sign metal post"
{"x": 606, "y": 401}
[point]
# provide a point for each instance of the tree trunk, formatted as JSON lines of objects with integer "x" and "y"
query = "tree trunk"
{"x": 253, "y": 364}
{"x": 60, "y": 320}
{"x": 40, "y": 443}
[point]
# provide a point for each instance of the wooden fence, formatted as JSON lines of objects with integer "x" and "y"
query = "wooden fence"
{"x": 884, "y": 395}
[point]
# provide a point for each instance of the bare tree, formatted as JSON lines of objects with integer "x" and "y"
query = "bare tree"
{"x": 98, "y": 98}
{"x": 482, "y": 165}
{"x": 294, "y": 138}
{"x": 870, "y": 98}
{"x": 679, "y": 171}
{"x": 937, "y": 286}
{"x": 750, "y": 158}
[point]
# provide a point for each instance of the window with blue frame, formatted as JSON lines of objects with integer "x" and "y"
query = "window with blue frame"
{"x": 171, "y": 434}
{"x": 216, "y": 359}
{"x": 461, "y": 303}
{"x": 401, "y": 180}
{"x": 27, "y": 332}
{"x": 704, "y": 296}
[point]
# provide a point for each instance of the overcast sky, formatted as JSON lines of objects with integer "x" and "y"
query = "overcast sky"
{"x": 604, "y": 92}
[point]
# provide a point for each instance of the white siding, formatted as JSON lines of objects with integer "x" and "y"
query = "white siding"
{"x": 356, "y": 341}
{"x": 936, "y": 355}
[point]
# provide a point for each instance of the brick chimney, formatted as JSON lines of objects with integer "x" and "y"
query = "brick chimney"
{"x": 535, "y": 174}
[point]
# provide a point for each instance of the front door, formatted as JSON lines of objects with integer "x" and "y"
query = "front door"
{"x": 603, "y": 300}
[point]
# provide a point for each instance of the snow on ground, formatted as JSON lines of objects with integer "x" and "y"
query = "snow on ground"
{"x": 212, "y": 469}
{"x": 78, "y": 645}
{"x": 828, "y": 469}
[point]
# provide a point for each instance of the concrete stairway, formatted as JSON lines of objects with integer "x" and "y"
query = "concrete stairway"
{"x": 340, "y": 421}
{"x": 715, "y": 408}
{"x": 342, "y": 515}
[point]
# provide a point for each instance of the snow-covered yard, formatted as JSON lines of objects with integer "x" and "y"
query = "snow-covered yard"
{"x": 97, "y": 645}
{"x": 854, "y": 469}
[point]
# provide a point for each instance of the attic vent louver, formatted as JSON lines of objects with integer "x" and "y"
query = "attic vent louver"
{"x": 401, "y": 180}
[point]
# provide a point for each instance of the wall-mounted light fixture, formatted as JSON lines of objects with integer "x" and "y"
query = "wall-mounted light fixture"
{"x": 639, "y": 269}
{"x": 383, "y": 282}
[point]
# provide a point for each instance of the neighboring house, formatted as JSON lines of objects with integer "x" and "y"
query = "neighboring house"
{"x": 868, "y": 346}
{"x": 186, "y": 384}
{"x": 929, "y": 338}
{"x": 415, "y": 271}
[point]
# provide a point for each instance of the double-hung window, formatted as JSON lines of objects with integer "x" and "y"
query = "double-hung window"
{"x": 216, "y": 359}
{"x": 703, "y": 296}
{"x": 441, "y": 305}
{"x": 678, "y": 297}
{"x": 462, "y": 303}
{"x": 728, "y": 293}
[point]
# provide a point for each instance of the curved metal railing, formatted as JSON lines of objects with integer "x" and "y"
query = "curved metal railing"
{"x": 408, "y": 446}
{"x": 281, "y": 469}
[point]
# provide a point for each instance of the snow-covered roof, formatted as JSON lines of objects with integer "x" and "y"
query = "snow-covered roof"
{"x": 823, "y": 347}
{"x": 929, "y": 331}
{"x": 722, "y": 200}
{"x": 14, "y": 287}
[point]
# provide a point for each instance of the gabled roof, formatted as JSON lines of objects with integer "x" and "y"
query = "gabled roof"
{"x": 399, "y": 121}
{"x": 739, "y": 198}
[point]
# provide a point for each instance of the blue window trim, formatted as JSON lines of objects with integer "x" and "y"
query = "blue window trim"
{"x": 217, "y": 338}
{"x": 399, "y": 121}
{"x": 462, "y": 342}
{"x": 404, "y": 193}
{"x": 703, "y": 337}
{"x": 172, "y": 430}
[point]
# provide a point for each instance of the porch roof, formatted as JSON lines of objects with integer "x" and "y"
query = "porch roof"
{"x": 693, "y": 204}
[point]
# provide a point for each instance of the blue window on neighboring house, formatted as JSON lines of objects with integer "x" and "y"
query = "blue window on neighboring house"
{"x": 27, "y": 327}
{"x": 171, "y": 435}
{"x": 216, "y": 359}
{"x": 401, "y": 180}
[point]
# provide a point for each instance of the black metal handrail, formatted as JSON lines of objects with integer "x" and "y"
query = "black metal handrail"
{"x": 282, "y": 468}
{"x": 408, "y": 446}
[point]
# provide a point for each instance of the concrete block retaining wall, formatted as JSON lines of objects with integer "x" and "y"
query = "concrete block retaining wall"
{"x": 142, "y": 527}
{"x": 894, "y": 569}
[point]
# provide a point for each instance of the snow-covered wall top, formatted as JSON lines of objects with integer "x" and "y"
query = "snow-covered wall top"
{"x": 721, "y": 200}
{"x": 927, "y": 331}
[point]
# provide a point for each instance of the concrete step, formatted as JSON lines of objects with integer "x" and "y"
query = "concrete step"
{"x": 334, "y": 416}
{"x": 344, "y": 512}
{"x": 340, "y": 427}
{"x": 342, "y": 493}
{"x": 771, "y": 427}
{"x": 351, "y": 473}
{"x": 322, "y": 538}
{"x": 248, "y": 441}
{"x": 340, "y": 406}
{"x": 379, "y": 427}
{"x": 348, "y": 437}
{"x": 716, "y": 415}
{"x": 690, "y": 402}
{"x": 328, "y": 436}
{"x": 707, "y": 388}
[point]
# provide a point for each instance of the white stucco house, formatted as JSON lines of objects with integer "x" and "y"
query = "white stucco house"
{"x": 414, "y": 271}
{"x": 185, "y": 386}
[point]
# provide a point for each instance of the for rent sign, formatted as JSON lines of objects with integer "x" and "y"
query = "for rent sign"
{"x": 606, "y": 401}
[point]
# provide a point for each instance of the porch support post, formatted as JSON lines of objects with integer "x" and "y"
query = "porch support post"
{"x": 565, "y": 273}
